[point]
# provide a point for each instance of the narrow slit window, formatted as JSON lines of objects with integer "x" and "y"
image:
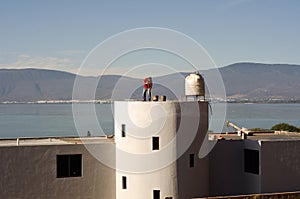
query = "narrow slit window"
{"x": 156, "y": 194}
{"x": 155, "y": 143}
{"x": 124, "y": 182}
{"x": 123, "y": 130}
{"x": 192, "y": 160}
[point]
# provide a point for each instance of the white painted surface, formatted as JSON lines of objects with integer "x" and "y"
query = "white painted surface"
{"x": 30, "y": 172}
{"x": 146, "y": 169}
{"x": 134, "y": 153}
{"x": 194, "y": 85}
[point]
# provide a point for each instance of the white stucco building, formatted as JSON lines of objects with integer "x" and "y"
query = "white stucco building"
{"x": 157, "y": 144}
{"x": 155, "y": 156}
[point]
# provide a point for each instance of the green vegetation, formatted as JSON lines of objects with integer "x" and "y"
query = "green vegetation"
{"x": 259, "y": 130}
{"x": 285, "y": 127}
{"x": 278, "y": 127}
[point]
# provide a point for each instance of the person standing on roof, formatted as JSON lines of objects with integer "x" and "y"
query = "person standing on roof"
{"x": 147, "y": 88}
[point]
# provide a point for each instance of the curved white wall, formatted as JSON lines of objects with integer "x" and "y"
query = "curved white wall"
{"x": 135, "y": 158}
{"x": 146, "y": 169}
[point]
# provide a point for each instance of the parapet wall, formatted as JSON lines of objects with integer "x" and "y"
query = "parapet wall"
{"x": 285, "y": 195}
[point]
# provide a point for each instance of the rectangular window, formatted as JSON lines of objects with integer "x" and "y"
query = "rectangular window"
{"x": 192, "y": 160}
{"x": 69, "y": 165}
{"x": 155, "y": 143}
{"x": 251, "y": 161}
{"x": 124, "y": 182}
{"x": 156, "y": 194}
{"x": 123, "y": 130}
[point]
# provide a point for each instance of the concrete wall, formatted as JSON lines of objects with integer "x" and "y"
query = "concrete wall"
{"x": 280, "y": 166}
{"x": 193, "y": 182}
{"x": 227, "y": 176}
{"x": 30, "y": 172}
{"x": 226, "y": 168}
{"x": 284, "y": 195}
{"x": 252, "y": 182}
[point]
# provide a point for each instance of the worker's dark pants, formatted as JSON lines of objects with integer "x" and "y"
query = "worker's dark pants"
{"x": 145, "y": 92}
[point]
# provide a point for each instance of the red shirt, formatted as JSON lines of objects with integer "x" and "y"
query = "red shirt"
{"x": 147, "y": 84}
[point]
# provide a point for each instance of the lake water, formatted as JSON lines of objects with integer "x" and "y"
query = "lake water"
{"x": 37, "y": 120}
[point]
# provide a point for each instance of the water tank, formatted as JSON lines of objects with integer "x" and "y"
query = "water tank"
{"x": 194, "y": 85}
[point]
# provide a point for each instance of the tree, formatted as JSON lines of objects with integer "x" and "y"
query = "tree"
{"x": 259, "y": 130}
{"x": 285, "y": 127}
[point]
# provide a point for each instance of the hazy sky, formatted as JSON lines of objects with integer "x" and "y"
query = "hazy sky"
{"x": 59, "y": 34}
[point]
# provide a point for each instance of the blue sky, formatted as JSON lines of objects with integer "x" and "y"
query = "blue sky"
{"x": 59, "y": 34}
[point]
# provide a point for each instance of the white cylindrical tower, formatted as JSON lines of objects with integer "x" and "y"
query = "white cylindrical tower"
{"x": 156, "y": 149}
{"x": 145, "y": 145}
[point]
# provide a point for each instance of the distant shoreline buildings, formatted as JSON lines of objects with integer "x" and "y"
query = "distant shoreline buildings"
{"x": 109, "y": 101}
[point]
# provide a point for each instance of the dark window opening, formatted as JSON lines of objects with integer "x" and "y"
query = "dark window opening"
{"x": 123, "y": 130}
{"x": 251, "y": 161}
{"x": 192, "y": 160}
{"x": 156, "y": 194}
{"x": 155, "y": 143}
{"x": 69, "y": 165}
{"x": 124, "y": 182}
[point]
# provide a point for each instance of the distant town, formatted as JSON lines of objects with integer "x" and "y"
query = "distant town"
{"x": 109, "y": 101}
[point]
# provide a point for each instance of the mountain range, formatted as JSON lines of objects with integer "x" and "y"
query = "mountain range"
{"x": 253, "y": 81}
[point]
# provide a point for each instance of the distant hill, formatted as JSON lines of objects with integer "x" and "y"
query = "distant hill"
{"x": 34, "y": 84}
{"x": 261, "y": 81}
{"x": 241, "y": 80}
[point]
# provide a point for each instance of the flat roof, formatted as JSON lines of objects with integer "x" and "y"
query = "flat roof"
{"x": 24, "y": 141}
{"x": 262, "y": 136}
{"x": 55, "y": 141}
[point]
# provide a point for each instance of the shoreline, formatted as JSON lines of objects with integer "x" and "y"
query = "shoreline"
{"x": 246, "y": 101}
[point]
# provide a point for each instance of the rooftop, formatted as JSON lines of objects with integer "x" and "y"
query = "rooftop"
{"x": 55, "y": 141}
{"x": 263, "y": 136}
